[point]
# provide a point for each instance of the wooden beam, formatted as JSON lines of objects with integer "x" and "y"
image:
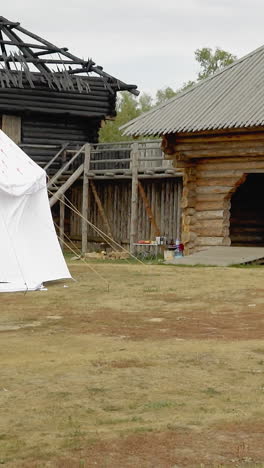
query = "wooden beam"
{"x": 35, "y": 59}
{"x": 243, "y": 151}
{"x": 56, "y": 156}
{"x": 101, "y": 209}
{"x": 11, "y": 125}
{"x": 134, "y": 196}
{"x": 148, "y": 209}
{"x": 26, "y": 51}
{"x": 90, "y": 63}
{"x": 66, "y": 185}
{"x": 4, "y": 52}
{"x": 17, "y": 43}
{"x": 179, "y": 211}
{"x": 85, "y": 198}
{"x": 65, "y": 167}
{"x": 102, "y": 176}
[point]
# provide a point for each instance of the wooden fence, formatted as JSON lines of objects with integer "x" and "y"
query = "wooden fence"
{"x": 115, "y": 195}
{"x": 128, "y": 190}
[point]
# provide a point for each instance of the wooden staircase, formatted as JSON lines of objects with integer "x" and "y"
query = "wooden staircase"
{"x": 71, "y": 170}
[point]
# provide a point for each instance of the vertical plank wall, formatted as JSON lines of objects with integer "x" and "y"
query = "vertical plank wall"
{"x": 163, "y": 195}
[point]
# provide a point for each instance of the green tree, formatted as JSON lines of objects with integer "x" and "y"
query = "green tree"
{"x": 186, "y": 85}
{"x": 164, "y": 94}
{"x": 145, "y": 102}
{"x": 128, "y": 107}
{"x": 211, "y": 61}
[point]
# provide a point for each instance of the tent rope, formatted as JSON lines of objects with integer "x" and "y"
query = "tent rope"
{"x": 107, "y": 238}
{"x": 84, "y": 261}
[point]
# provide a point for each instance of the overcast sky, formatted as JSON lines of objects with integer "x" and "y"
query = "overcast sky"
{"x": 147, "y": 42}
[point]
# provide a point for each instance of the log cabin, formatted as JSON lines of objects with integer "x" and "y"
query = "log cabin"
{"x": 214, "y": 133}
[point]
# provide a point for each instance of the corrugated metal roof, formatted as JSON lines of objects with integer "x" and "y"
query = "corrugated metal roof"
{"x": 231, "y": 98}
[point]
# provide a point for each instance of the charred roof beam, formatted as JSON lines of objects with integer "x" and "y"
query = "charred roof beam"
{"x": 34, "y": 59}
{"x": 98, "y": 70}
{"x": 6, "y": 22}
{"x": 26, "y": 51}
{"x": 48, "y": 51}
{"x": 4, "y": 51}
{"x": 26, "y": 44}
{"x": 32, "y": 56}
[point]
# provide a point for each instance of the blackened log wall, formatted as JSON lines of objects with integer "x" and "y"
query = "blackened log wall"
{"x": 99, "y": 102}
{"x": 43, "y": 129}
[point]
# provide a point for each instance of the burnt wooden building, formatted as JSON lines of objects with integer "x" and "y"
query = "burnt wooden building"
{"x": 214, "y": 133}
{"x": 49, "y": 97}
{"x": 52, "y": 104}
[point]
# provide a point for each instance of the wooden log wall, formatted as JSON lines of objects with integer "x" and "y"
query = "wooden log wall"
{"x": 164, "y": 197}
{"x": 39, "y": 129}
{"x": 97, "y": 103}
{"x": 214, "y": 166}
{"x": 214, "y": 189}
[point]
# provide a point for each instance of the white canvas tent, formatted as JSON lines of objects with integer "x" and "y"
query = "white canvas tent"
{"x": 29, "y": 250}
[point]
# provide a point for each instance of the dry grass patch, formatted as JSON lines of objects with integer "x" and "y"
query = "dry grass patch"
{"x": 147, "y": 374}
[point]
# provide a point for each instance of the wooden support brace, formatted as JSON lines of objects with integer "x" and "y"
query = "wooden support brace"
{"x": 101, "y": 209}
{"x": 148, "y": 209}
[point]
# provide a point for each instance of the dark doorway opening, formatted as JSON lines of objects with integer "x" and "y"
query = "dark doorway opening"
{"x": 247, "y": 213}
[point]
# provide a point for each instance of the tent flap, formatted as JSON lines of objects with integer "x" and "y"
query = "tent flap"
{"x": 29, "y": 249}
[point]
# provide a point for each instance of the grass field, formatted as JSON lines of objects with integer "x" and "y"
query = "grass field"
{"x": 163, "y": 370}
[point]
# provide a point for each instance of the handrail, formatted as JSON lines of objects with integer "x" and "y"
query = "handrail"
{"x": 129, "y": 142}
{"x": 65, "y": 167}
{"x": 29, "y": 145}
{"x": 56, "y": 156}
{"x": 128, "y": 171}
{"x": 101, "y": 161}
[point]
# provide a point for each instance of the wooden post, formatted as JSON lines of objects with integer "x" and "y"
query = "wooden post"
{"x": 179, "y": 196}
{"x": 11, "y": 125}
{"x": 134, "y": 196}
{"x": 85, "y": 199}
{"x": 62, "y": 218}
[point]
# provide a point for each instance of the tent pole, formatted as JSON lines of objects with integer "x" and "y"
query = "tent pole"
{"x": 85, "y": 200}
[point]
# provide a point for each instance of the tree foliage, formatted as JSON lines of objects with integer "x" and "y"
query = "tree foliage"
{"x": 145, "y": 102}
{"x": 211, "y": 61}
{"x": 129, "y": 107}
{"x": 164, "y": 94}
